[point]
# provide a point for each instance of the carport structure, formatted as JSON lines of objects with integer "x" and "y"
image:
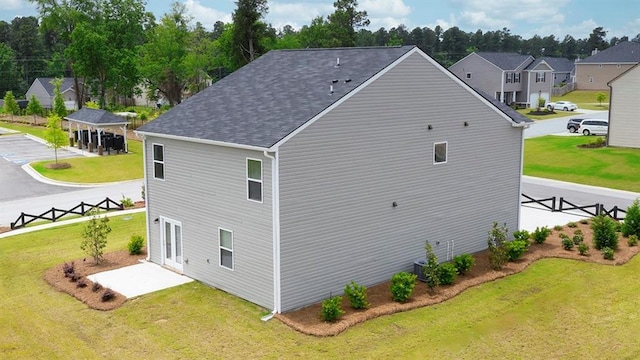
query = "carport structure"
{"x": 95, "y": 121}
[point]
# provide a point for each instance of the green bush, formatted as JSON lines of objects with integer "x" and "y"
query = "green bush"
{"x": 583, "y": 249}
{"x": 331, "y": 310}
{"x": 584, "y": 221}
{"x": 578, "y": 237}
{"x": 540, "y": 234}
{"x": 357, "y": 295}
{"x": 447, "y": 273}
{"x": 126, "y": 202}
{"x": 135, "y": 245}
{"x": 557, "y": 227}
{"x": 607, "y": 253}
{"x": 632, "y": 240}
{"x": 572, "y": 224}
{"x": 516, "y": 248}
{"x": 496, "y": 243}
{"x": 430, "y": 270}
{"x": 402, "y": 285}
{"x": 522, "y": 235}
{"x": 604, "y": 232}
{"x": 567, "y": 243}
{"x": 463, "y": 263}
{"x": 631, "y": 224}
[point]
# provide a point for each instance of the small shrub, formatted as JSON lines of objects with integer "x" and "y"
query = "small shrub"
{"x": 540, "y": 234}
{"x": 617, "y": 226}
{"x": 68, "y": 269}
{"x": 583, "y": 249}
{"x": 604, "y": 232}
{"x": 107, "y": 295}
{"x": 81, "y": 283}
{"x": 567, "y": 243}
{"x": 584, "y": 221}
{"x": 331, "y": 310}
{"x": 447, "y": 273}
{"x": 496, "y": 242}
{"x": 135, "y": 245}
{"x": 572, "y": 224}
{"x": 74, "y": 277}
{"x": 522, "y": 235}
{"x": 516, "y": 248}
{"x": 607, "y": 253}
{"x": 357, "y": 295}
{"x": 402, "y": 285}
{"x": 126, "y": 202}
{"x": 430, "y": 270}
{"x": 558, "y": 227}
{"x": 631, "y": 224}
{"x": 632, "y": 240}
{"x": 96, "y": 287}
{"x": 578, "y": 237}
{"x": 463, "y": 263}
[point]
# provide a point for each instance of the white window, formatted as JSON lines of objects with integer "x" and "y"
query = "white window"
{"x": 540, "y": 77}
{"x": 254, "y": 180}
{"x": 440, "y": 153}
{"x": 508, "y": 77}
{"x": 226, "y": 248}
{"x": 516, "y": 77}
{"x": 468, "y": 75}
{"x": 158, "y": 161}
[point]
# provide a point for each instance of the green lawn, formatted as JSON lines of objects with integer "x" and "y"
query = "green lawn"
{"x": 557, "y": 114}
{"x": 27, "y": 129}
{"x": 585, "y": 99}
{"x": 554, "y": 309}
{"x": 558, "y": 157}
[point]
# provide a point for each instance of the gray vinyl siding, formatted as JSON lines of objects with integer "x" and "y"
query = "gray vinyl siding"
{"x": 205, "y": 188}
{"x": 484, "y": 75}
{"x": 624, "y": 118}
{"x": 340, "y": 176}
{"x": 41, "y": 94}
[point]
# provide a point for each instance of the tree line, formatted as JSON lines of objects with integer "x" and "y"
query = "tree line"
{"x": 117, "y": 49}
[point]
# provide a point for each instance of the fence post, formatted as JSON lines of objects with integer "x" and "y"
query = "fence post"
{"x": 561, "y": 201}
{"x": 53, "y": 214}
{"x": 599, "y": 209}
{"x": 553, "y": 204}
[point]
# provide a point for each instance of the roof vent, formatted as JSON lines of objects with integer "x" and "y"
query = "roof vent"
{"x": 337, "y": 62}
{"x": 334, "y": 81}
{"x": 330, "y": 89}
{"x": 347, "y": 80}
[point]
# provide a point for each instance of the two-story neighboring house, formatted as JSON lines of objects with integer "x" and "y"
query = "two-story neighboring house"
{"x": 43, "y": 89}
{"x": 307, "y": 169}
{"x": 509, "y": 77}
{"x": 594, "y": 72}
{"x": 563, "y": 69}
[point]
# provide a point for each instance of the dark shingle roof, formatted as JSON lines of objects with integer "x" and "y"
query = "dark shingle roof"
{"x": 514, "y": 115}
{"x": 505, "y": 61}
{"x": 96, "y": 117}
{"x": 261, "y": 103}
{"x": 624, "y": 52}
{"x": 557, "y": 64}
{"x": 67, "y": 83}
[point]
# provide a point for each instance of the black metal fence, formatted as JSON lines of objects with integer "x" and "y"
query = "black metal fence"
{"x": 561, "y": 205}
{"x": 55, "y": 214}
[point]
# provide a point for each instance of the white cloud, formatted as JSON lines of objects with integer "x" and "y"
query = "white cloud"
{"x": 390, "y": 8}
{"x": 296, "y": 14}
{"x": 496, "y": 14}
{"x": 12, "y": 4}
{"x": 205, "y": 15}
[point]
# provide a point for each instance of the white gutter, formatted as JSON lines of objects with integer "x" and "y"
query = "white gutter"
{"x": 275, "y": 215}
{"x": 201, "y": 141}
{"x": 146, "y": 195}
{"x": 502, "y": 87}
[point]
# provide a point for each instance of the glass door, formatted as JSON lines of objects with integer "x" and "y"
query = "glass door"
{"x": 172, "y": 243}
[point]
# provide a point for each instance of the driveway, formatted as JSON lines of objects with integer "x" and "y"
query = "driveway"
{"x": 559, "y": 125}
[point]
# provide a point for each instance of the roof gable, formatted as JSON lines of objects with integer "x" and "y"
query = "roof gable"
{"x": 67, "y": 84}
{"x": 96, "y": 117}
{"x": 624, "y": 52}
{"x": 506, "y": 61}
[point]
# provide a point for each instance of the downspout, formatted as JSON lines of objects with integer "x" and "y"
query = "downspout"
{"x": 609, "y": 114}
{"x": 146, "y": 195}
{"x": 275, "y": 214}
{"x": 502, "y": 87}
{"x": 529, "y": 90}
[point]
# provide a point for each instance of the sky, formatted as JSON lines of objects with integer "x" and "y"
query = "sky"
{"x": 522, "y": 17}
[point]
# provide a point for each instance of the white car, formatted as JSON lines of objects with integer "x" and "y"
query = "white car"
{"x": 594, "y": 127}
{"x": 562, "y": 105}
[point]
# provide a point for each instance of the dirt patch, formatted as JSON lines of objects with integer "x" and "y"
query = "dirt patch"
{"x": 307, "y": 320}
{"x": 57, "y": 166}
{"x": 84, "y": 267}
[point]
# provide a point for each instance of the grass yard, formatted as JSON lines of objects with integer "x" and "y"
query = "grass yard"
{"x": 585, "y": 99}
{"x": 558, "y": 157}
{"x": 554, "y": 309}
{"x": 33, "y": 130}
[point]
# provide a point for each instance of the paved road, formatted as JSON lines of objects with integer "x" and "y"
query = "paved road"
{"x": 559, "y": 125}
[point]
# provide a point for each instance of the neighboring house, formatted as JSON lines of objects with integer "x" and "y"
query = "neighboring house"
{"x": 563, "y": 69}
{"x": 307, "y": 169}
{"x": 594, "y": 72}
{"x": 624, "y": 118}
{"x": 509, "y": 77}
{"x": 42, "y": 88}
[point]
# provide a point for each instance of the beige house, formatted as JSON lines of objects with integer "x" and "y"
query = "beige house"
{"x": 624, "y": 117}
{"x": 595, "y": 72}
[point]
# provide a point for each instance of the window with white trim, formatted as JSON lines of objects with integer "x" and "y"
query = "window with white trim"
{"x": 508, "y": 77}
{"x": 158, "y": 161}
{"x": 516, "y": 77}
{"x": 254, "y": 180}
{"x": 540, "y": 77}
{"x": 440, "y": 152}
{"x": 225, "y": 242}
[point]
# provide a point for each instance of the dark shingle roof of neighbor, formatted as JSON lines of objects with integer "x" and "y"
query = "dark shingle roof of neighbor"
{"x": 266, "y": 100}
{"x": 558, "y": 64}
{"x": 624, "y": 52}
{"x": 514, "y": 115}
{"x": 96, "y": 117}
{"x": 67, "y": 83}
{"x": 505, "y": 61}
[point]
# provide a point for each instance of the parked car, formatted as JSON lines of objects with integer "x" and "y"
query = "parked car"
{"x": 573, "y": 124}
{"x": 562, "y": 105}
{"x": 594, "y": 127}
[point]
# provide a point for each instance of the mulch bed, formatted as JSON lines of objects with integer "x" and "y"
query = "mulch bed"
{"x": 307, "y": 320}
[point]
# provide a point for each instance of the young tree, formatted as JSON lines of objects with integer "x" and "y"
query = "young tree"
{"x": 601, "y": 97}
{"x": 631, "y": 224}
{"x": 496, "y": 241}
{"x": 59, "y": 107}
{"x": 55, "y": 136}
{"x": 34, "y": 108}
{"x": 10, "y": 104}
{"x": 430, "y": 270}
{"x": 95, "y": 235}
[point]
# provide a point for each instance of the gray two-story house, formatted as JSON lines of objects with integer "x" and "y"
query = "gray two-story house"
{"x": 307, "y": 169}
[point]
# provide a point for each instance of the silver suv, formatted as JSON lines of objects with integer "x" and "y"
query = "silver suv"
{"x": 594, "y": 127}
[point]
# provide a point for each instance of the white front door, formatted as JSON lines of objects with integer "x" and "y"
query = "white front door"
{"x": 172, "y": 243}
